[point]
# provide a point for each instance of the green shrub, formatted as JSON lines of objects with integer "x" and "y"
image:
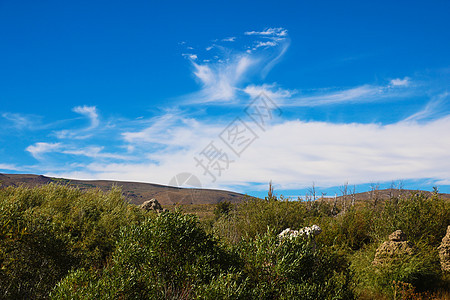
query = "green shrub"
{"x": 419, "y": 217}
{"x": 253, "y": 216}
{"x": 421, "y": 270}
{"x": 351, "y": 230}
{"x": 222, "y": 209}
{"x": 293, "y": 269}
{"x": 163, "y": 257}
{"x": 46, "y": 231}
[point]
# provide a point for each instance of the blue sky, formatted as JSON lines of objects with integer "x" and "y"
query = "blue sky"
{"x": 355, "y": 92}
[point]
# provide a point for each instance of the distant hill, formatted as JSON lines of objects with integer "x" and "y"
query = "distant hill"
{"x": 383, "y": 195}
{"x": 135, "y": 192}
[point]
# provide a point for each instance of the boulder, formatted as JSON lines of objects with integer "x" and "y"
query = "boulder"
{"x": 152, "y": 205}
{"x": 396, "y": 248}
{"x": 444, "y": 251}
{"x": 397, "y": 236}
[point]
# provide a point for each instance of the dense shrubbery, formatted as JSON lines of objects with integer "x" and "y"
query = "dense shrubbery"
{"x": 46, "y": 231}
{"x": 164, "y": 256}
{"x": 60, "y": 242}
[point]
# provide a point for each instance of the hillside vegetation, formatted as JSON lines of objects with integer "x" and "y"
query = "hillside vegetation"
{"x": 60, "y": 242}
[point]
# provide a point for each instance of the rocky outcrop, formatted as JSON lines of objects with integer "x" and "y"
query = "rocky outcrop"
{"x": 397, "y": 247}
{"x": 444, "y": 252}
{"x": 152, "y": 205}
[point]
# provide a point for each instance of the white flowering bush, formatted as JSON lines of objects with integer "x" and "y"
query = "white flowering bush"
{"x": 295, "y": 268}
{"x": 305, "y": 231}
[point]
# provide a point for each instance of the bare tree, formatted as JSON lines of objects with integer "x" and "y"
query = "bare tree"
{"x": 334, "y": 209}
{"x": 270, "y": 195}
{"x": 344, "y": 192}
{"x": 353, "y": 195}
{"x": 400, "y": 187}
{"x": 391, "y": 190}
{"x": 312, "y": 191}
{"x": 435, "y": 190}
{"x": 374, "y": 193}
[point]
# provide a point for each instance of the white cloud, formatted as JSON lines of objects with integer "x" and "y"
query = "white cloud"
{"x": 19, "y": 121}
{"x": 88, "y": 111}
{"x": 272, "y": 91}
{"x": 190, "y": 56}
{"x": 38, "y": 149}
{"x": 360, "y": 94}
{"x": 226, "y": 71}
{"x": 219, "y": 80}
{"x": 9, "y": 167}
{"x": 94, "y": 152}
{"x": 400, "y": 82}
{"x": 434, "y": 106}
{"x": 294, "y": 153}
{"x": 278, "y": 32}
{"x": 264, "y": 44}
{"x": 229, "y": 39}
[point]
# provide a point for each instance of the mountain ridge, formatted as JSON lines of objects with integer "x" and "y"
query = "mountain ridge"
{"x": 134, "y": 192}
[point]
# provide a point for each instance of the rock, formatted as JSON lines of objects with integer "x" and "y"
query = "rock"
{"x": 397, "y": 236}
{"x": 152, "y": 204}
{"x": 444, "y": 251}
{"x": 396, "y": 248}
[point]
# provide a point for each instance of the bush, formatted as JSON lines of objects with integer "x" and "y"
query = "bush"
{"x": 222, "y": 209}
{"x": 419, "y": 217}
{"x": 421, "y": 271}
{"x": 167, "y": 256}
{"x": 293, "y": 269}
{"x": 351, "y": 230}
{"x": 46, "y": 231}
{"x": 253, "y": 216}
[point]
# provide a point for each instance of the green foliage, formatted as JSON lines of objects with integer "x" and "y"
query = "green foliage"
{"x": 223, "y": 209}
{"x": 48, "y": 230}
{"x": 293, "y": 269}
{"x": 419, "y": 217}
{"x": 351, "y": 230}
{"x": 421, "y": 271}
{"x": 255, "y": 215}
{"x": 93, "y": 245}
{"x": 167, "y": 256}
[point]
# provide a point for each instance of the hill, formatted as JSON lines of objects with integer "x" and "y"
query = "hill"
{"x": 386, "y": 194}
{"x": 135, "y": 192}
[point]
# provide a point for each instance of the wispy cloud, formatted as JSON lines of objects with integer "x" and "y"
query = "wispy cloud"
{"x": 90, "y": 112}
{"x": 400, "y": 82}
{"x": 220, "y": 80}
{"x": 361, "y": 94}
{"x": 18, "y": 120}
{"x": 223, "y": 70}
{"x": 278, "y": 32}
{"x": 265, "y": 44}
{"x": 95, "y": 152}
{"x": 190, "y": 56}
{"x": 296, "y": 152}
{"x": 229, "y": 39}
{"x": 10, "y": 167}
{"x": 432, "y": 108}
{"x": 41, "y": 148}
{"x": 38, "y": 151}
